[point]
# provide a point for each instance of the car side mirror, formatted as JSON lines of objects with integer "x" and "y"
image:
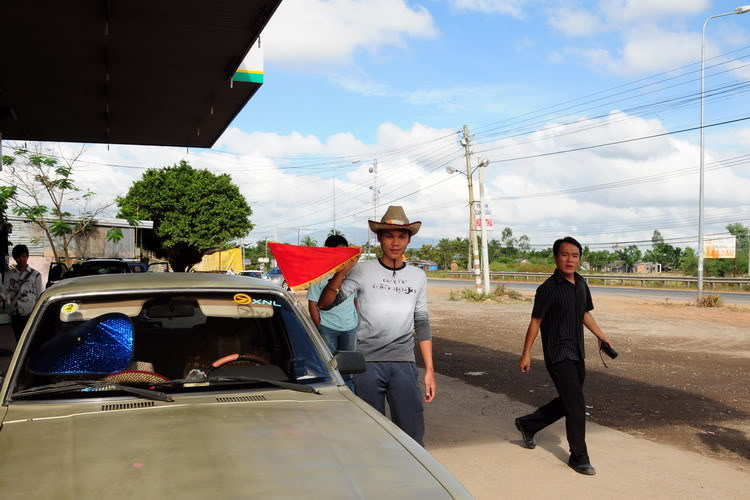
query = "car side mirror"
{"x": 350, "y": 362}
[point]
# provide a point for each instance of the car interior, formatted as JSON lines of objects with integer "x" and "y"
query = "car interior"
{"x": 162, "y": 337}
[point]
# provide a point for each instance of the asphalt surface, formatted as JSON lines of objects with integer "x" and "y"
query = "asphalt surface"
{"x": 737, "y": 298}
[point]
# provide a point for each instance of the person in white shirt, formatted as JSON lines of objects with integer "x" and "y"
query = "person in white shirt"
{"x": 21, "y": 288}
{"x": 392, "y": 300}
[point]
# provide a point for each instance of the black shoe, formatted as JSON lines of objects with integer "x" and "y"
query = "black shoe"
{"x": 528, "y": 437}
{"x": 585, "y": 469}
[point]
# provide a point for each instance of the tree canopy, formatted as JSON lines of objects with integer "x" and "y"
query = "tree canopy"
{"x": 193, "y": 211}
{"x": 42, "y": 190}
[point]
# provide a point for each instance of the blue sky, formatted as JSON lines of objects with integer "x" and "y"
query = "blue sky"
{"x": 396, "y": 79}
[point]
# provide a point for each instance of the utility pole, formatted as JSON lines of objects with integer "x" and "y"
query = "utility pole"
{"x": 334, "y": 199}
{"x": 375, "y": 200}
{"x": 485, "y": 253}
{"x": 473, "y": 242}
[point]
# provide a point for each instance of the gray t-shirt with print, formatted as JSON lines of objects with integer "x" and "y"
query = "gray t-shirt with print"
{"x": 392, "y": 305}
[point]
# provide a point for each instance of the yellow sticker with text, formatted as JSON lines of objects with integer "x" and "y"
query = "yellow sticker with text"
{"x": 70, "y": 307}
{"x": 242, "y": 298}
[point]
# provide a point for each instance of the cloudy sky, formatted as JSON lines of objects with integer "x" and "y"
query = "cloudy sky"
{"x": 587, "y": 112}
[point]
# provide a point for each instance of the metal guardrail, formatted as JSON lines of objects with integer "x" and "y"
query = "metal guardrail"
{"x": 687, "y": 280}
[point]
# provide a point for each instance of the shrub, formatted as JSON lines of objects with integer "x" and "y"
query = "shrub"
{"x": 710, "y": 300}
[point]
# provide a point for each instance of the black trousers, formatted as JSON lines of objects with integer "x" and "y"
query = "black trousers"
{"x": 568, "y": 377}
{"x": 18, "y": 323}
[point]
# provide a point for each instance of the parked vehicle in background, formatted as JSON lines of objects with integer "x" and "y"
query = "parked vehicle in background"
{"x": 137, "y": 266}
{"x": 88, "y": 267}
{"x": 275, "y": 275}
{"x": 159, "y": 267}
{"x": 255, "y": 273}
{"x": 182, "y": 385}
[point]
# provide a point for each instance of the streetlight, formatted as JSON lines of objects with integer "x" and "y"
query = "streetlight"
{"x": 739, "y": 10}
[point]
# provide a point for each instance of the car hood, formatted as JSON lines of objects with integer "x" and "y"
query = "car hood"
{"x": 325, "y": 448}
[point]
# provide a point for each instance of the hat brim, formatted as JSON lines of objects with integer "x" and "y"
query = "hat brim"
{"x": 376, "y": 226}
{"x": 134, "y": 376}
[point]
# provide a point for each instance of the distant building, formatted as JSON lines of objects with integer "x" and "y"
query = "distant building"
{"x": 648, "y": 267}
{"x": 425, "y": 265}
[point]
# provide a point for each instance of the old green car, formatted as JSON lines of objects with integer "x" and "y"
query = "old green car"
{"x": 178, "y": 385}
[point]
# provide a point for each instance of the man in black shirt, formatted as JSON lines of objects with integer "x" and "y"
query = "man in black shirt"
{"x": 561, "y": 309}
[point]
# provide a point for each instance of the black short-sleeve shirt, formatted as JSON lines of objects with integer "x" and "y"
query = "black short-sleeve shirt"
{"x": 561, "y": 305}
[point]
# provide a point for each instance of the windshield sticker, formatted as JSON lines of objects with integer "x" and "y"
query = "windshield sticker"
{"x": 70, "y": 307}
{"x": 242, "y": 298}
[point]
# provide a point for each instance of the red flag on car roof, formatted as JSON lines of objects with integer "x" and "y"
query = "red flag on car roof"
{"x": 304, "y": 266}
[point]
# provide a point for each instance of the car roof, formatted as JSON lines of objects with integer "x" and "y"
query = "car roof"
{"x": 145, "y": 281}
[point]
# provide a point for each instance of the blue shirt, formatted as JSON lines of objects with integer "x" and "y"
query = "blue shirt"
{"x": 341, "y": 318}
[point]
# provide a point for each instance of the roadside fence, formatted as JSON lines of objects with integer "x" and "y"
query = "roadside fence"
{"x": 686, "y": 281}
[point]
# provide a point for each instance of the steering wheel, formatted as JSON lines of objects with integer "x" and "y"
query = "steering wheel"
{"x": 237, "y": 357}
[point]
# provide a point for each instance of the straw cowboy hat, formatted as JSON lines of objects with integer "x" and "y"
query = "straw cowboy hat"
{"x": 395, "y": 218}
{"x": 138, "y": 371}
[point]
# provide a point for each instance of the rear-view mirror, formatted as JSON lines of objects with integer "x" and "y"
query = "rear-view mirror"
{"x": 350, "y": 362}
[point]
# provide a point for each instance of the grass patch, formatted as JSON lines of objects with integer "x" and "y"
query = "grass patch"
{"x": 500, "y": 294}
{"x": 710, "y": 300}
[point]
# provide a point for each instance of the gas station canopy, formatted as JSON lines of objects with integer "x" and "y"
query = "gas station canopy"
{"x": 159, "y": 72}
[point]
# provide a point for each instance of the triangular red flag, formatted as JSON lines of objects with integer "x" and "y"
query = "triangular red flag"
{"x": 304, "y": 266}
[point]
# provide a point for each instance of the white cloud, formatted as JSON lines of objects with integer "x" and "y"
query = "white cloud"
{"x": 628, "y": 11}
{"x": 638, "y": 54}
{"x": 510, "y": 7}
{"x": 576, "y": 22}
{"x": 288, "y": 179}
{"x": 313, "y": 32}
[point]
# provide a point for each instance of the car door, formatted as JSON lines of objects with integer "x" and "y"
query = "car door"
{"x": 55, "y": 273}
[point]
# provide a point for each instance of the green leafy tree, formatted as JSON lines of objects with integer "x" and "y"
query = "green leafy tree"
{"x": 114, "y": 235}
{"x": 743, "y": 246}
{"x": 630, "y": 255}
{"x": 689, "y": 262}
{"x": 452, "y": 251}
{"x": 657, "y": 238}
{"x": 334, "y": 232}
{"x": 524, "y": 244}
{"x": 43, "y": 189}
{"x": 494, "y": 250}
{"x": 309, "y": 241}
{"x": 509, "y": 241}
{"x": 193, "y": 211}
{"x": 599, "y": 259}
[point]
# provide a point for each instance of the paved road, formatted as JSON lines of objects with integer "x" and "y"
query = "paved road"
{"x": 737, "y": 298}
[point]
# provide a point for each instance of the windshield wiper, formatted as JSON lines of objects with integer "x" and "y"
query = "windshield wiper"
{"x": 78, "y": 385}
{"x": 278, "y": 383}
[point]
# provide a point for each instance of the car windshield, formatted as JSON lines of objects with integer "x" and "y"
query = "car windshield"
{"x": 94, "y": 268}
{"x": 148, "y": 339}
{"x": 274, "y": 270}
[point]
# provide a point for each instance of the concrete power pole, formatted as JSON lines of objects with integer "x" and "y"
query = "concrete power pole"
{"x": 485, "y": 253}
{"x": 375, "y": 200}
{"x": 473, "y": 241}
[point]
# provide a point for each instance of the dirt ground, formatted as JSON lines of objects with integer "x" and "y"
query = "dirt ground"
{"x": 681, "y": 377}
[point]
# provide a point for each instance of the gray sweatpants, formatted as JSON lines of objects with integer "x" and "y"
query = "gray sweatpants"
{"x": 396, "y": 381}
